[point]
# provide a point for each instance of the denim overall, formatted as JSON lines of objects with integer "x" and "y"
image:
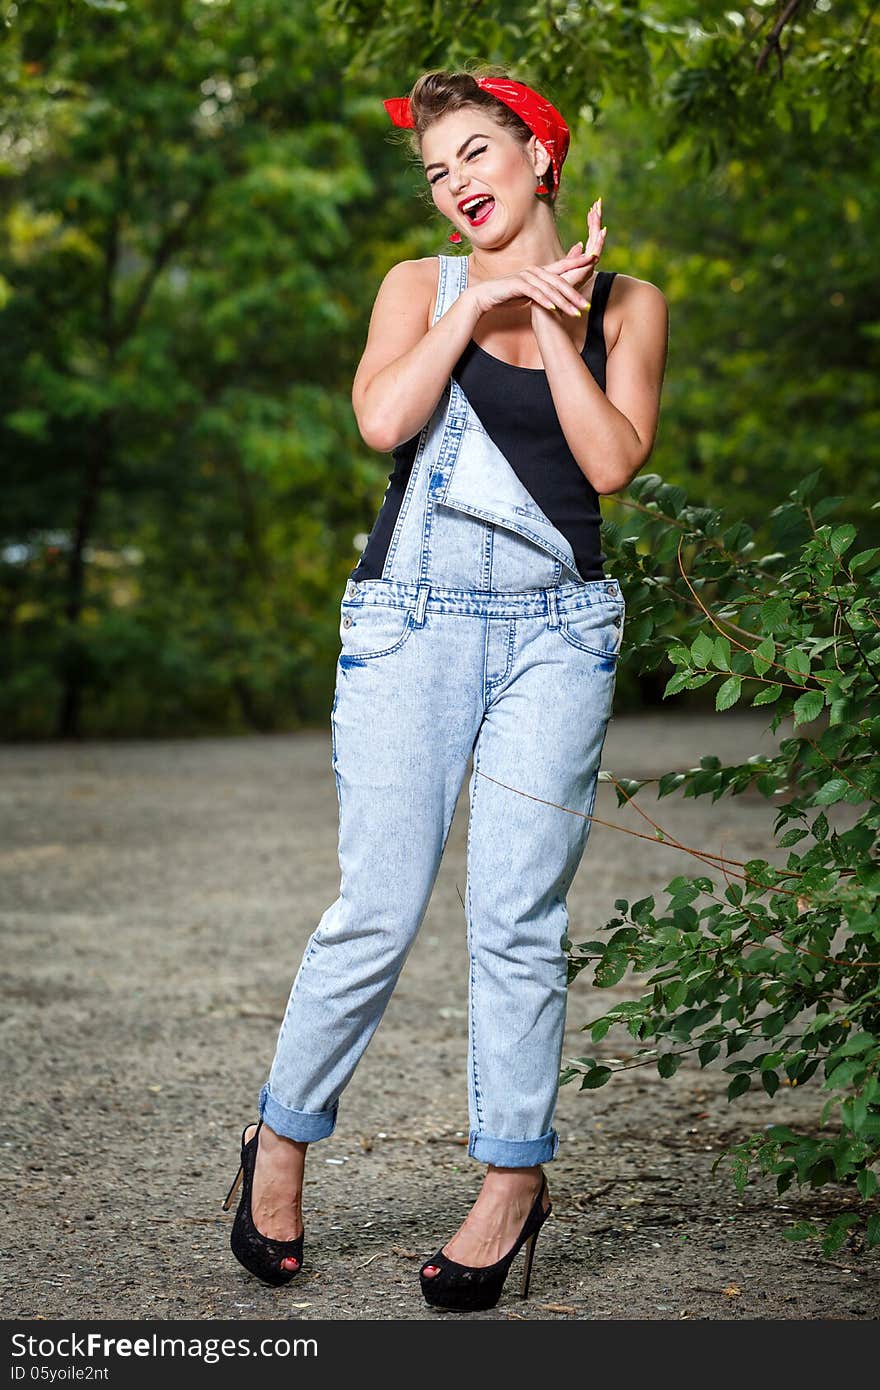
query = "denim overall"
{"x": 480, "y": 639}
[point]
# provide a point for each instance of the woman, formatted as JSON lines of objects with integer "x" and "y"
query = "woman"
{"x": 478, "y": 621}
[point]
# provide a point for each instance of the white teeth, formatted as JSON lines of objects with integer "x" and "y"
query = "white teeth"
{"x": 472, "y": 202}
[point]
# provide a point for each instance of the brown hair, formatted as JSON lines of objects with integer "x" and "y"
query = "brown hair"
{"x": 437, "y": 93}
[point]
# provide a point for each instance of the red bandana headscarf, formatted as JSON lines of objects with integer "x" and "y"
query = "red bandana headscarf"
{"x": 536, "y": 111}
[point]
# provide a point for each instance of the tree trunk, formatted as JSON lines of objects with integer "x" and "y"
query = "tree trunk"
{"x": 97, "y": 466}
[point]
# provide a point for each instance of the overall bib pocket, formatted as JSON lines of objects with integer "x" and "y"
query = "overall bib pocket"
{"x": 368, "y": 631}
{"x": 597, "y": 630}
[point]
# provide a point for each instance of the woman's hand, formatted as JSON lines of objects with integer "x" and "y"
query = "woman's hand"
{"x": 549, "y": 287}
{"x": 544, "y": 285}
{"x": 581, "y": 260}
{"x": 595, "y": 242}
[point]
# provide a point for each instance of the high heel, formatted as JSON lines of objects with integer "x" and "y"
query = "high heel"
{"x": 474, "y": 1287}
{"x": 259, "y": 1254}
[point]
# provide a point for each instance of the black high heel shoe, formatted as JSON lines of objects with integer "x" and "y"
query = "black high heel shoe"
{"x": 473, "y": 1287}
{"x": 259, "y": 1254}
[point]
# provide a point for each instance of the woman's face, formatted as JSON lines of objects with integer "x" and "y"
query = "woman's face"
{"x": 467, "y": 155}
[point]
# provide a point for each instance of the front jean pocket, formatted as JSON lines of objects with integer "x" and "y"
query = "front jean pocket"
{"x": 597, "y": 630}
{"x": 370, "y": 630}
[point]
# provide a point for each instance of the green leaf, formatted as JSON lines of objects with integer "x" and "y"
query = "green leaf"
{"x": 835, "y": 1233}
{"x": 865, "y": 558}
{"x": 675, "y": 994}
{"x": 846, "y": 1073}
{"x": 678, "y": 655}
{"x": 808, "y": 706}
{"x": 610, "y": 969}
{"x": 677, "y": 682}
{"x": 763, "y": 655}
{"x": 797, "y": 663}
{"x": 738, "y": 1085}
{"x": 806, "y": 485}
{"x": 774, "y": 614}
{"x": 772, "y": 1059}
{"x": 668, "y": 1064}
{"x": 728, "y": 693}
{"x": 702, "y": 649}
{"x": 792, "y": 837}
{"x": 820, "y": 826}
{"x": 855, "y": 1044}
{"x": 595, "y": 1078}
{"x": 767, "y": 694}
{"x": 835, "y": 789}
{"x": 842, "y": 538}
{"x": 802, "y": 1230}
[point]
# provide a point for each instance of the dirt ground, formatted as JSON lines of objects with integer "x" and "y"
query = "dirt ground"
{"x": 156, "y": 898}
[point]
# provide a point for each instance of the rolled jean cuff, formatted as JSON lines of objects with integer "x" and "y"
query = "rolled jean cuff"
{"x": 302, "y": 1125}
{"x": 513, "y": 1153}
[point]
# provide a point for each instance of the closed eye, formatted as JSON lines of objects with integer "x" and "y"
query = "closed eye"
{"x": 473, "y": 154}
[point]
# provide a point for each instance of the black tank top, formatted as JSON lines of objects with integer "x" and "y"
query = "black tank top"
{"x": 515, "y": 407}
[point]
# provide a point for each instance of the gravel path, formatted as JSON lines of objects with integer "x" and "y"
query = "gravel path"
{"x": 156, "y": 898}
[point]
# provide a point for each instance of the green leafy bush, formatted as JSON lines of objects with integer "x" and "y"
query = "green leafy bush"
{"x": 776, "y": 969}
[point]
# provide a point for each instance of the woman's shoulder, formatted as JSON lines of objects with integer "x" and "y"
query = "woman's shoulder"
{"x": 414, "y": 279}
{"x": 422, "y": 270}
{"x": 633, "y": 292}
{"x": 631, "y": 300}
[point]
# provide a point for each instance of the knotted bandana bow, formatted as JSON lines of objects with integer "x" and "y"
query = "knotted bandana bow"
{"x": 541, "y": 118}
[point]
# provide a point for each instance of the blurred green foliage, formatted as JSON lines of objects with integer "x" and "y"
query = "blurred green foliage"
{"x": 199, "y": 201}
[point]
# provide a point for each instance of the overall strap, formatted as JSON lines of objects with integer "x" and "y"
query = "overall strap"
{"x": 452, "y": 278}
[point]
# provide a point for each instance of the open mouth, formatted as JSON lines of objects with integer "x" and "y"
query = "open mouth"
{"x": 479, "y": 209}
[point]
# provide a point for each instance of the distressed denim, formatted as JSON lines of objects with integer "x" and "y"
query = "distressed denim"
{"x": 481, "y": 639}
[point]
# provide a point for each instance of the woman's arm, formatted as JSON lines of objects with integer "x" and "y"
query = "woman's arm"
{"x": 406, "y": 364}
{"x": 611, "y": 433}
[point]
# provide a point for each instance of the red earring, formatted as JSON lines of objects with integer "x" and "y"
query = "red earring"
{"x": 542, "y": 187}
{"x": 455, "y": 236}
